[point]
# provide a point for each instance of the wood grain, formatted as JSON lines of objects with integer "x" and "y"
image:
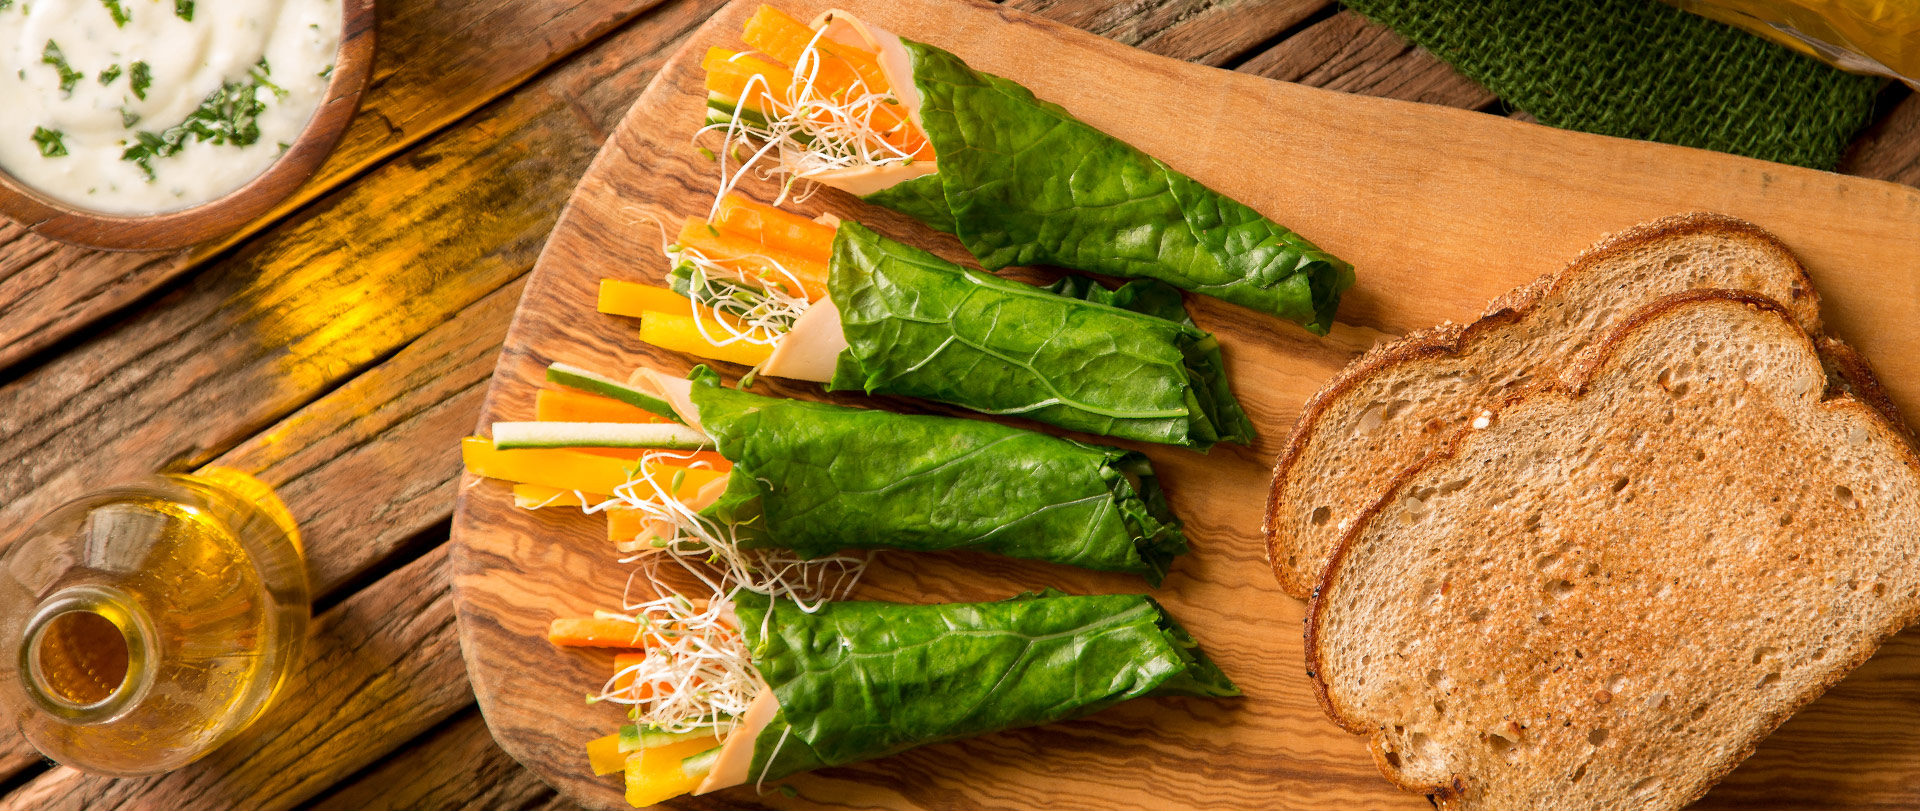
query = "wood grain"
{"x": 1346, "y": 52}
{"x": 455, "y": 766}
{"x": 438, "y": 62}
{"x": 300, "y": 311}
{"x": 1890, "y": 149}
{"x": 390, "y": 645}
{"x": 1502, "y": 202}
{"x": 365, "y": 482}
{"x": 309, "y": 307}
{"x": 352, "y": 64}
{"x": 1209, "y": 32}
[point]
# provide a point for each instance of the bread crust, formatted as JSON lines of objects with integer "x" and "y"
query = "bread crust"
{"x": 1573, "y": 385}
{"x": 1452, "y": 340}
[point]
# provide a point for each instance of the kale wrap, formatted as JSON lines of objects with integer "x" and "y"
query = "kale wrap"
{"x": 1129, "y": 364}
{"x": 1018, "y": 180}
{"x": 817, "y": 478}
{"x": 862, "y": 680}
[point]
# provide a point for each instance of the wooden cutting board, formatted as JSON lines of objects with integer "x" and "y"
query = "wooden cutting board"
{"x": 1439, "y": 209}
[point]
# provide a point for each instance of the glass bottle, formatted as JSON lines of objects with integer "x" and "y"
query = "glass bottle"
{"x": 144, "y": 625}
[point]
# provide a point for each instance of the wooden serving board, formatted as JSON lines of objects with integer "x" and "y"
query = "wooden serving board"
{"x": 1440, "y": 210}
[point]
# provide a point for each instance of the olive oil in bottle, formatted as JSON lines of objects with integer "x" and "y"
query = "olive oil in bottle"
{"x": 142, "y": 626}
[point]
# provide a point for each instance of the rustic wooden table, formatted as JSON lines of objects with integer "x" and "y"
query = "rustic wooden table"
{"x": 339, "y": 348}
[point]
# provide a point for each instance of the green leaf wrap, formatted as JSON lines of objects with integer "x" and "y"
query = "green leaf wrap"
{"x": 1023, "y": 182}
{"x": 863, "y": 680}
{"x": 818, "y": 478}
{"x": 920, "y": 326}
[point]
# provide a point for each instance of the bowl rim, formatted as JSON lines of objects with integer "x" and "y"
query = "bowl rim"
{"x": 352, "y": 69}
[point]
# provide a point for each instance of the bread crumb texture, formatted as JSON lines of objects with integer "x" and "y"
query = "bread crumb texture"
{"x": 1607, "y": 596}
{"x": 1391, "y": 406}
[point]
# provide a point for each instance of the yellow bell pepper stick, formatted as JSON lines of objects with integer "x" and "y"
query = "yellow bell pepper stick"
{"x": 655, "y": 775}
{"x": 568, "y": 469}
{"x": 679, "y": 333}
{"x": 632, "y": 299}
{"x": 603, "y": 754}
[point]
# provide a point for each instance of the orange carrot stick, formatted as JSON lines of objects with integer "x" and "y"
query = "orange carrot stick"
{"x": 569, "y": 405}
{"x": 729, "y": 74}
{"x": 717, "y": 462}
{"x": 754, "y": 260}
{"x": 774, "y": 228}
{"x": 622, "y": 681}
{"x": 533, "y": 497}
{"x": 772, "y": 32}
{"x": 595, "y": 632}
{"x": 840, "y": 67}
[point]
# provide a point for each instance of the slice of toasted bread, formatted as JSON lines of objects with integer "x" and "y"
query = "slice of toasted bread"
{"x": 1609, "y": 594}
{"x": 1388, "y": 408}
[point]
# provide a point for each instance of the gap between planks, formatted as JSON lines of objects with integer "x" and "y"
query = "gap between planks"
{"x": 436, "y": 64}
{"x": 343, "y": 399}
{"x": 181, "y": 406}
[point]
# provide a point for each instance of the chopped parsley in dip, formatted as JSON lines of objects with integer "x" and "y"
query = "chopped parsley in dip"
{"x": 185, "y": 103}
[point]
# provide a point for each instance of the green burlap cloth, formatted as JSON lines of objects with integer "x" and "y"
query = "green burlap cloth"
{"x": 1642, "y": 69}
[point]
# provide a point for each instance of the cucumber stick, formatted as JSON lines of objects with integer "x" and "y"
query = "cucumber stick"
{"x": 634, "y": 737}
{"x": 662, "y": 435}
{"x": 574, "y": 377}
{"x": 699, "y": 765}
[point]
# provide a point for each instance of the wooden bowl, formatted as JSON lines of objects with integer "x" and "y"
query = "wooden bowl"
{"x": 352, "y": 66}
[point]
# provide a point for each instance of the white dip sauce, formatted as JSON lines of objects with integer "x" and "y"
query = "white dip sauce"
{"x": 200, "y": 77}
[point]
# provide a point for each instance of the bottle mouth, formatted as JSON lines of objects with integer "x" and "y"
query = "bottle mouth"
{"x": 83, "y": 655}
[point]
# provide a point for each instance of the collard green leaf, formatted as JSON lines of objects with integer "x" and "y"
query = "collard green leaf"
{"x": 862, "y": 680}
{"x": 1154, "y": 298}
{"x": 920, "y": 326}
{"x": 1023, "y": 182}
{"x": 818, "y": 478}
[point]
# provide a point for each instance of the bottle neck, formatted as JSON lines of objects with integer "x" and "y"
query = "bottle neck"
{"x": 88, "y": 654}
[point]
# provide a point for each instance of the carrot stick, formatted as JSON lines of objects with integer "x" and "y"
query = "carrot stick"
{"x": 754, "y": 260}
{"x": 772, "y": 32}
{"x": 769, "y": 226}
{"x": 625, "y": 525}
{"x": 841, "y": 66}
{"x": 569, "y": 405}
{"x": 595, "y": 632}
{"x": 729, "y": 73}
{"x": 677, "y": 459}
{"x": 622, "y": 681}
{"x": 533, "y": 497}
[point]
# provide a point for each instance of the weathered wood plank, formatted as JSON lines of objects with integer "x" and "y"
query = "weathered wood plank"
{"x": 1890, "y": 149}
{"x": 364, "y": 481}
{"x": 455, "y": 766}
{"x": 377, "y": 461}
{"x": 437, "y": 62}
{"x": 299, "y": 311}
{"x": 416, "y": 244}
{"x": 374, "y": 463}
{"x": 1210, "y": 32}
{"x": 1442, "y": 182}
{"x": 1346, "y": 52}
{"x": 459, "y": 765}
{"x": 379, "y": 669}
